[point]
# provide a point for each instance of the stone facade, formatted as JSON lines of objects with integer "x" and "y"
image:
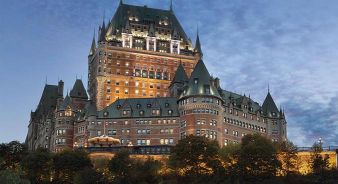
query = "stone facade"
{"x": 148, "y": 87}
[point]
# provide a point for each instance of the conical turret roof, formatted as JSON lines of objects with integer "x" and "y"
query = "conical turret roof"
{"x": 93, "y": 46}
{"x": 78, "y": 90}
{"x": 269, "y": 105}
{"x": 102, "y": 36}
{"x": 180, "y": 75}
{"x": 198, "y": 48}
{"x": 200, "y": 82}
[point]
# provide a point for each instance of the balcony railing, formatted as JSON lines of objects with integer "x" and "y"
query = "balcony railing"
{"x": 136, "y": 150}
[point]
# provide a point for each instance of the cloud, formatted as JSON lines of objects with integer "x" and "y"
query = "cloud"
{"x": 291, "y": 45}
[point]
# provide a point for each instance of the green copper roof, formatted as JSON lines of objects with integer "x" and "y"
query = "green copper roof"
{"x": 90, "y": 109}
{"x": 78, "y": 90}
{"x": 141, "y": 108}
{"x": 198, "y": 48}
{"x": 200, "y": 82}
{"x": 93, "y": 47}
{"x": 48, "y": 101}
{"x": 66, "y": 102}
{"x": 269, "y": 105}
{"x": 102, "y": 32}
{"x": 230, "y": 97}
{"x": 180, "y": 75}
{"x": 147, "y": 16}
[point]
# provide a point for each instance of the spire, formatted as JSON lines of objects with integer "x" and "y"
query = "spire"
{"x": 180, "y": 75}
{"x": 93, "y": 47}
{"x": 198, "y": 45}
{"x": 102, "y": 36}
{"x": 171, "y": 5}
{"x": 121, "y": 2}
{"x": 269, "y": 105}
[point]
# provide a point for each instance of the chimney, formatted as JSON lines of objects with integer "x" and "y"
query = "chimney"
{"x": 216, "y": 83}
{"x": 60, "y": 88}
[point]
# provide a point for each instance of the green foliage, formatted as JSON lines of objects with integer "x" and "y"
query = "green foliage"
{"x": 11, "y": 154}
{"x": 257, "y": 158}
{"x": 37, "y": 166}
{"x": 288, "y": 156}
{"x": 88, "y": 176}
{"x": 127, "y": 170}
{"x": 11, "y": 177}
{"x": 121, "y": 166}
{"x": 319, "y": 163}
{"x": 195, "y": 158}
{"x": 67, "y": 163}
{"x": 146, "y": 171}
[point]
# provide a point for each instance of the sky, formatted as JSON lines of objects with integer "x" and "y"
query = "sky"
{"x": 290, "y": 45}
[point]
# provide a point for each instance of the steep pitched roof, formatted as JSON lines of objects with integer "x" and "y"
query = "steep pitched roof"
{"x": 269, "y": 105}
{"x": 78, "y": 90}
{"x": 149, "y": 16}
{"x": 93, "y": 47}
{"x": 90, "y": 109}
{"x": 229, "y": 97}
{"x": 136, "y": 105}
{"x": 48, "y": 100}
{"x": 102, "y": 35}
{"x": 200, "y": 82}
{"x": 180, "y": 75}
{"x": 66, "y": 102}
{"x": 198, "y": 48}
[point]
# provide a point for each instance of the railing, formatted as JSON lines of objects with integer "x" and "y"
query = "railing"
{"x": 327, "y": 148}
{"x": 137, "y": 150}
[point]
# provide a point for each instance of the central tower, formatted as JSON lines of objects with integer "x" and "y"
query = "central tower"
{"x": 137, "y": 53}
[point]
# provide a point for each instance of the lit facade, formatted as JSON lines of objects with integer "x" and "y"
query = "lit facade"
{"x": 148, "y": 86}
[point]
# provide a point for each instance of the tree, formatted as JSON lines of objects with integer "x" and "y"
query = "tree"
{"x": 67, "y": 163}
{"x": 146, "y": 171}
{"x": 121, "y": 166}
{"x": 288, "y": 157}
{"x": 37, "y": 166}
{"x": 88, "y": 176}
{"x": 195, "y": 157}
{"x": 319, "y": 164}
{"x": 229, "y": 155}
{"x": 11, "y": 154}
{"x": 257, "y": 158}
{"x": 13, "y": 177}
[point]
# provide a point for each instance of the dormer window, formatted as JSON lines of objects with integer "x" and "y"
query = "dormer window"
{"x": 207, "y": 89}
{"x": 141, "y": 113}
{"x": 138, "y": 106}
{"x": 170, "y": 112}
{"x": 105, "y": 114}
{"x": 166, "y": 105}
{"x": 155, "y": 112}
{"x": 195, "y": 80}
{"x": 126, "y": 112}
{"x": 148, "y": 105}
{"x": 118, "y": 106}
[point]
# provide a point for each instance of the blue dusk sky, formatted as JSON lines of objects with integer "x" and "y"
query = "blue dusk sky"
{"x": 290, "y": 44}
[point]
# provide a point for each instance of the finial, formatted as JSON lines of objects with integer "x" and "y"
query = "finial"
{"x": 121, "y": 2}
{"x": 171, "y": 5}
{"x": 76, "y": 76}
{"x": 268, "y": 88}
{"x": 46, "y": 80}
